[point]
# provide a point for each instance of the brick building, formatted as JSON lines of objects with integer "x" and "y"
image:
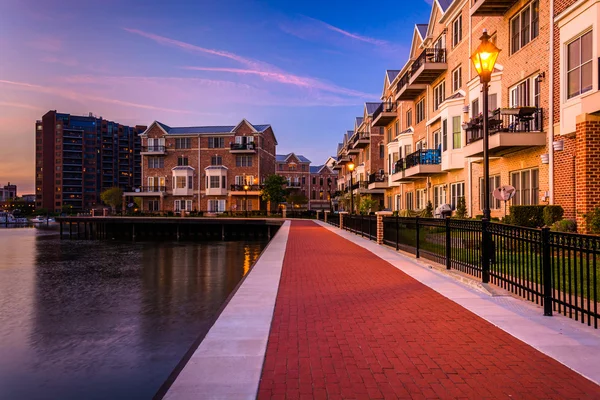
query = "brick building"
{"x": 316, "y": 183}
{"x": 205, "y": 168}
{"x": 543, "y": 126}
{"x": 77, "y": 157}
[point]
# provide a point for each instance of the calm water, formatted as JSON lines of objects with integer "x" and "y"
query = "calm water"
{"x": 101, "y": 320}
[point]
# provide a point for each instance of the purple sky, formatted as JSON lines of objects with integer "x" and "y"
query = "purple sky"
{"x": 304, "y": 67}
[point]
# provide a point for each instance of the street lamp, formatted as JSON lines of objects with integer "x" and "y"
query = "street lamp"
{"x": 484, "y": 60}
{"x": 246, "y": 188}
{"x": 351, "y": 169}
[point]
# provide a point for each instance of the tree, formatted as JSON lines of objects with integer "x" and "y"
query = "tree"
{"x": 429, "y": 210}
{"x": 461, "y": 208}
{"x": 296, "y": 198}
{"x": 367, "y": 204}
{"x": 273, "y": 191}
{"x": 112, "y": 197}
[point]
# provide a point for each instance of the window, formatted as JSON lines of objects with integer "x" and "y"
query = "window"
{"x": 456, "y": 79}
{"x": 153, "y": 205}
{"x": 408, "y": 119}
{"x": 457, "y": 191}
{"x": 439, "y": 196}
{"x": 456, "y": 133}
{"x": 216, "y": 205}
{"x": 525, "y": 26}
{"x": 457, "y": 31}
{"x": 183, "y": 143}
{"x": 381, "y": 151}
{"x": 216, "y": 142}
{"x": 527, "y": 184}
{"x": 579, "y": 65}
{"x": 215, "y": 182}
{"x": 445, "y": 135}
{"x": 389, "y": 135}
{"x": 320, "y": 181}
{"x": 421, "y": 199}
{"x": 475, "y": 108}
{"x": 182, "y": 161}
{"x": 280, "y": 167}
{"x": 439, "y": 95}
{"x": 304, "y": 180}
{"x": 216, "y": 160}
{"x": 156, "y": 162}
{"x": 407, "y": 149}
{"x": 420, "y": 111}
{"x": 303, "y": 167}
{"x": 396, "y": 128}
{"x": 409, "y": 201}
{"x": 243, "y": 161}
{"x": 180, "y": 182}
{"x": 437, "y": 139}
{"x": 494, "y": 183}
{"x": 314, "y": 180}
{"x": 190, "y": 182}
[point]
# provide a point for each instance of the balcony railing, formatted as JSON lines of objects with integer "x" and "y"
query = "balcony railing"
{"x": 150, "y": 189}
{"x": 293, "y": 184}
{"x": 430, "y": 55}
{"x": 399, "y": 166}
{"x": 518, "y": 120}
{"x": 152, "y": 149}
{"x": 242, "y": 146}
{"x": 384, "y": 107}
{"x": 251, "y": 188}
{"x": 424, "y": 157}
{"x": 377, "y": 177}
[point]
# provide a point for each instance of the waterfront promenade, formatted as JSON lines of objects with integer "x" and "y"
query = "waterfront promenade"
{"x": 356, "y": 320}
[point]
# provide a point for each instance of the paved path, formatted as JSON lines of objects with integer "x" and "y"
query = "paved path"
{"x": 348, "y": 325}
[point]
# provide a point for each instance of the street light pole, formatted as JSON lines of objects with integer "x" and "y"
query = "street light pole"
{"x": 486, "y": 155}
{"x": 246, "y": 187}
{"x": 351, "y": 169}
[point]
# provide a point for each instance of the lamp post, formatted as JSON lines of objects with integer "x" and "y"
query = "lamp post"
{"x": 246, "y": 187}
{"x": 351, "y": 169}
{"x": 484, "y": 60}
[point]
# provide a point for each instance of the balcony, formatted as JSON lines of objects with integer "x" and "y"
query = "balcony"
{"x": 361, "y": 140}
{"x": 343, "y": 160}
{"x": 422, "y": 163}
{"x": 378, "y": 181}
{"x": 430, "y": 64}
{"x": 241, "y": 148}
{"x": 337, "y": 166}
{"x": 155, "y": 150}
{"x": 510, "y": 130}
{"x": 146, "y": 191}
{"x": 238, "y": 190}
{"x": 407, "y": 90}
{"x": 385, "y": 114}
{"x": 398, "y": 172}
{"x": 482, "y": 8}
{"x": 351, "y": 148}
{"x": 216, "y": 191}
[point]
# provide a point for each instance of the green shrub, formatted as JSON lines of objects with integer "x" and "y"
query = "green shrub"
{"x": 429, "y": 210}
{"x": 552, "y": 214}
{"x": 479, "y": 217}
{"x": 565, "y": 225}
{"x": 527, "y": 216}
{"x": 507, "y": 220}
{"x": 461, "y": 208}
{"x": 592, "y": 220}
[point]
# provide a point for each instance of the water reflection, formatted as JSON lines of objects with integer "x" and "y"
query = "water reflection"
{"x": 83, "y": 319}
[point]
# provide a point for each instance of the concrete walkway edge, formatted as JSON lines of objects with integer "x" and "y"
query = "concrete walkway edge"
{"x": 567, "y": 341}
{"x": 229, "y": 361}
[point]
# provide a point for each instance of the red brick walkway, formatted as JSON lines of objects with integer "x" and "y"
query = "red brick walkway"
{"x": 349, "y": 325}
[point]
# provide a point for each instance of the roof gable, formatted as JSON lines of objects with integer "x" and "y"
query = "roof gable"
{"x": 444, "y": 4}
{"x": 419, "y": 36}
{"x": 242, "y": 123}
{"x": 371, "y": 107}
{"x": 291, "y": 157}
{"x": 433, "y": 19}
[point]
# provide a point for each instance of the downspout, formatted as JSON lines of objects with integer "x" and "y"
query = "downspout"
{"x": 470, "y": 186}
{"x": 551, "y": 108}
{"x": 199, "y": 174}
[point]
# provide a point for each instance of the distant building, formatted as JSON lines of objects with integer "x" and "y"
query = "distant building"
{"x": 28, "y": 198}
{"x": 77, "y": 157}
{"x": 205, "y": 168}
{"x": 8, "y": 192}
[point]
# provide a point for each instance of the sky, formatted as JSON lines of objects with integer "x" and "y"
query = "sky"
{"x": 305, "y": 67}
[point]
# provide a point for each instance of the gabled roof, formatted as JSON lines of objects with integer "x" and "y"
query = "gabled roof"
{"x": 339, "y": 148}
{"x": 371, "y": 107}
{"x": 191, "y": 130}
{"x": 359, "y": 121}
{"x": 316, "y": 169}
{"x": 350, "y": 134}
{"x": 422, "y": 30}
{"x": 285, "y": 157}
{"x": 392, "y": 74}
{"x": 444, "y": 4}
{"x": 215, "y": 167}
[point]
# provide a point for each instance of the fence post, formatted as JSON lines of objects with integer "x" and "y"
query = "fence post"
{"x": 547, "y": 271}
{"x": 448, "y": 244}
{"x": 362, "y": 229}
{"x": 485, "y": 251}
{"x": 342, "y": 219}
{"x": 417, "y": 255}
{"x": 397, "y": 232}
{"x": 380, "y": 215}
{"x": 325, "y": 216}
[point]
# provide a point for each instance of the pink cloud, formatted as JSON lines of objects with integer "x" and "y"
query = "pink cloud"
{"x": 48, "y": 44}
{"x": 366, "y": 39}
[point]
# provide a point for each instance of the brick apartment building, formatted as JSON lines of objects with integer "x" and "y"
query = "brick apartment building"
{"x": 204, "y": 168}
{"x": 77, "y": 157}
{"x": 543, "y": 109}
{"x": 316, "y": 183}
{"x": 8, "y": 192}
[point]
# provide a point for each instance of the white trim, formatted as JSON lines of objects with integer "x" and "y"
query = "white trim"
{"x": 247, "y": 123}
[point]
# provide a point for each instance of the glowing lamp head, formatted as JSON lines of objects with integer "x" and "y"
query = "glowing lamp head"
{"x": 246, "y": 187}
{"x": 350, "y": 166}
{"x": 484, "y": 58}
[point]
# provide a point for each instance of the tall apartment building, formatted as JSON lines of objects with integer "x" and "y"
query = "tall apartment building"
{"x": 317, "y": 183}
{"x": 543, "y": 107}
{"x": 205, "y": 168}
{"x": 77, "y": 157}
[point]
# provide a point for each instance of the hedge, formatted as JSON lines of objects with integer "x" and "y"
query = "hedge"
{"x": 527, "y": 216}
{"x": 553, "y": 214}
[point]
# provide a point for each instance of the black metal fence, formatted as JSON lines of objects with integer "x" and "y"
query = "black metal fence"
{"x": 364, "y": 225}
{"x": 557, "y": 270}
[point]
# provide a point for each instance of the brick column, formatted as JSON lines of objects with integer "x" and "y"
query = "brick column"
{"x": 318, "y": 211}
{"x": 380, "y": 215}
{"x": 325, "y": 218}
{"x": 342, "y": 213}
{"x": 587, "y": 178}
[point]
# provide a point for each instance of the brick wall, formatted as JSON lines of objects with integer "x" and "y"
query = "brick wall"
{"x": 587, "y": 167}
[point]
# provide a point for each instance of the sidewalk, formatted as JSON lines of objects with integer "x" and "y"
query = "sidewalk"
{"x": 348, "y": 324}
